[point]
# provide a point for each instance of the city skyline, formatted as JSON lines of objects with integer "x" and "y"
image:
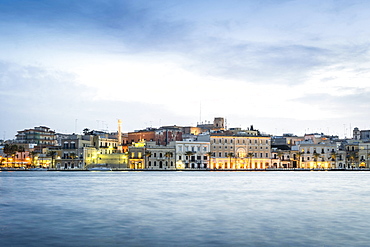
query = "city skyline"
{"x": 282, "y": 66}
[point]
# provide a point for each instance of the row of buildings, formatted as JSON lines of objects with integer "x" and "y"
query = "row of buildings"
{"x": 206, "y": 146}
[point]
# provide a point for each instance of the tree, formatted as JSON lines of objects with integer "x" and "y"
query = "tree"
{"x": 230, "y": 155}
{"x": 352, "y": 158}
{"x": 33, "y": 155}
{"x": 168, "y": 155}
{"x": 280, "y": 156}
{"x": 147, "y": 154}
{"x": 86, "y": 131}
{"x": 250, "y": 157}
{"x": 21, "y": 150}
{"x": 10, "y": 150}
{"x": 2, "y": 161}
{"x": 189, "y": 154}
{"x": 209, "y": 154}
{"x": 52, "y": 154}
{"x": 333, "y": 156}
{"x": 316, "y": 156}
{"x": 299, "y": 156}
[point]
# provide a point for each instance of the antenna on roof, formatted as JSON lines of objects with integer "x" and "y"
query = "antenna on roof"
{"x": 200, "y": 111}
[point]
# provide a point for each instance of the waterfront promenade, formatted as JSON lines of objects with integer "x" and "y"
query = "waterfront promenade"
{"x": 190, "y": 170}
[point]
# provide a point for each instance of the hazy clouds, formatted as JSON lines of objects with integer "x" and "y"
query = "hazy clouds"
{"x": 245, "y": 60}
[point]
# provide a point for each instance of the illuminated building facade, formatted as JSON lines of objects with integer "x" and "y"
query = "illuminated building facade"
{"x": 192, "y": 154}
{"x": 72, "y": 151}
{"x": 239, "y": 151}
{"x": 136, "y": 155}
{"x": 160, "y": 157}
{"x": 317, "y": 155}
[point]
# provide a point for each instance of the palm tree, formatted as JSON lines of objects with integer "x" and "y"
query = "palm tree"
{"x": 333, "y": 156}
{"x": 147, "y": 154}
{"x": 230, "y": 155}
{"x": 280, "y": 156}
{"x": 10, "y": 150}
{"x": 86, "y": 131}
{"x": 299, "y": 155}
{"x": 352, "y": 157}
{"x": 52, "y": 154}
{"x": 168, "y": 155}
{"x": 33, "y": 155}
{"x": 21, "y": 150}
{"x": 316, "y": 156}
{"x": 189, "y": 154}
{"x": 2, "y": 160}
{"x": 128, "y": 153}
{"x": 250, "y": 157}
{"x": 209, "y": 154}
{"x": 73, "y": 156}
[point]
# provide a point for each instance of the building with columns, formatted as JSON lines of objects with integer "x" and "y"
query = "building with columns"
{"x": 239, "y": 151}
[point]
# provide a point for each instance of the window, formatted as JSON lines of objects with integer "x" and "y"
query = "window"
{"x": 219, "y": 154}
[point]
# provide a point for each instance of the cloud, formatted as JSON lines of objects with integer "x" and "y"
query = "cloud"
{"x": 354, "y": 103}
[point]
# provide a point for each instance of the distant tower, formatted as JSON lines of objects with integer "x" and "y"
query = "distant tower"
{"x": 219, "y": 123}
{"x": 356, "y": 134}
{"x": 119, "y": 133}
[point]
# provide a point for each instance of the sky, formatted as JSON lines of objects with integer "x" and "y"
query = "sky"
{"x": 283, "y": 66}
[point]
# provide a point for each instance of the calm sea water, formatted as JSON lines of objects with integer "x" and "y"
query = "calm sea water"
{"x": 184, "y": 208}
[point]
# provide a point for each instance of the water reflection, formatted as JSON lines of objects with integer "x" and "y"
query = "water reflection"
{"x": 184, "y": 209}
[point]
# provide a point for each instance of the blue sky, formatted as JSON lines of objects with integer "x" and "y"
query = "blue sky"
{"x": 283, "y": 66}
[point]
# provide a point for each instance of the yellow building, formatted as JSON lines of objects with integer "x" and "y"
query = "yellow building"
{"x": 240, "y": 151}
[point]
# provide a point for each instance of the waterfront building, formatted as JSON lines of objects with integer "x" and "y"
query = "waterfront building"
{"x": 72, "y": 153}
{"x": 363, "y": 135}
{"x": 318, "y": 155}
{"x": 281, "y": 158}
{"x": 162, "y": 157}
{"x": 192, "y": 154}
{"x": 239, "y": 151}
{"x": 285, "y": 141}
{"x": 364, "y": 154}
{"x": 136, "y": 155}
{"x": 41, "y": 136}
{"x": 161, "y": 136}
{"x": 219, "y": 124}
